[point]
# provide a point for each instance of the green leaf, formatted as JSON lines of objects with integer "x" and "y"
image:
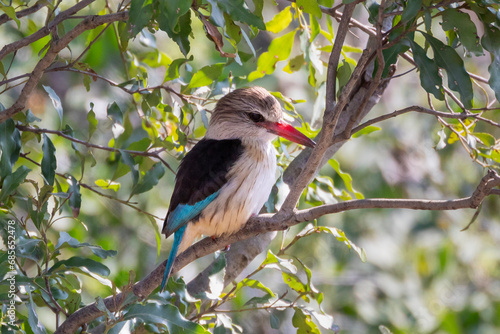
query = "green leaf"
{"x": 315, "y": 27}
{"x": 295, "y": 64}
{"x": 75, "y": 198}
{"x": 324, "y": 320}
{"x": 150, "y": 179}
{"x": 35, "y": 325}
{"x": 259, "y": 6}
{"x": 494, "y": 80}
{"x": 304, "y": 323}
{"x": 166, "y": 314}
{"x": 490, "y": 43}
{"x": 346, "y": 177}
{"x": 216, "y": 14}
{"x": 238, "y": 12}
{"x": 65, "y": 240}
{"x": 206, "y": 75}
{"x": 77, "y": 262}
{"x": 157, "y": 235}
{"x": 458, "y": 21}
{"x": 310, "y": 6}
{"x": 68, "y": 130}
{"x": 129, "y": 161}
{"x": 30, "y": 248}
{"x": 344, "y": 74}
{"x": 485, "y": 138}
{"x": 391, "y": 56}
{"x": 108, "y": 184}
{"x": 173, "y": 69}
{"x": 11, "y": 13}
{"x": 30, "y": 118}
{"x": 254, "y": 284}
{"x": 141, "y": 12}
{"x": 10, "y": 143}
{"x": 429, "y": 72}
{"x": 458, "y": 78}
{"x": 365, "y": 131}
{"x": 275, "y": 321}
{"x": 12, "y": 181}
{"x": 234, "y": 31}
{"x": 279, "y": 49}
{"x": 181, "y": 34}
{"x": 92, "y": 121}
{"x": 49, "y": 162}
{"x": 294, "y": 282}
{"x": 411, "y": 10}
{"x": 340, "y": 235}
{"x": 280, "y": 21}
{"x": 101, "y": 306}
{"x": 259, "y": 300}
{"x": 115, "y": 113}
{"x": 86, "y": 82}
{"x": 273, "y": 261}
{"x": 171, "y": 11}
{"x": 56, "y": 101}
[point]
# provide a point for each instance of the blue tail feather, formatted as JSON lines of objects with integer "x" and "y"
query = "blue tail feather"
{"x": 173, "y": 253}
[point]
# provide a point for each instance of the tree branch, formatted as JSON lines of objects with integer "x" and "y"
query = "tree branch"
{"x": 333, "y": 61}
{"x": 45, "y": 30}
{"x": 90, "y": 22}
{"x": 154, "y": 154}
{"x": 269, "y": 223}
{"x": 22, "y": 13}
{"x": 330, "y": 119}
{"x": 420, "y": 109}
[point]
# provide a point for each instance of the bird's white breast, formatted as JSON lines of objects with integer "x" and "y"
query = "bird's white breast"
{"x": 250, "y": 181}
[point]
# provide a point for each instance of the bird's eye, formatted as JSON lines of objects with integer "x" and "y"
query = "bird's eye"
{"x": 256, "y": 117}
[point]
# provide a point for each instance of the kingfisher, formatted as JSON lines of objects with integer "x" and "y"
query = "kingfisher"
{"x": 228, "y": 175}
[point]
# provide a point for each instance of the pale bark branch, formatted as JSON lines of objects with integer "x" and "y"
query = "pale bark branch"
{"x": 269, "y": 223}
{"x": 330, "y": 119}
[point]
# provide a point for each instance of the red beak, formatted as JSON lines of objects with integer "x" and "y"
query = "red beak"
{"x": 287, "y": 131}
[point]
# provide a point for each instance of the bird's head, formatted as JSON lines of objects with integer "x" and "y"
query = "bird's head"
{"x": 252, "y": 114}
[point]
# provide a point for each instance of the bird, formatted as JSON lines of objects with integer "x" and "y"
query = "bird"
{"x": 228, "y": 175}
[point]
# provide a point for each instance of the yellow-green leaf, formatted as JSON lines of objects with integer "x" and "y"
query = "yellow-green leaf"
{"x": 108, "y": 184}
{"x": 280, "y": 21}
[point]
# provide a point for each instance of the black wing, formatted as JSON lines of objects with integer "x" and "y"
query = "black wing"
{"x": 201, "y": 173}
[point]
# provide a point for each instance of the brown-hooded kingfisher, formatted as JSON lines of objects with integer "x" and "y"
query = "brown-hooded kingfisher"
{"x": 228, "y": 175}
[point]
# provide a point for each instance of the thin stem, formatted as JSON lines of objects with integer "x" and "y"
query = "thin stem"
{"x": 153, "y": 154}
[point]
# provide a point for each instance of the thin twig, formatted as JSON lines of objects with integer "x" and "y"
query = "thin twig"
{"x": 151, "y": 154}
{"x": 422, "y": 110}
